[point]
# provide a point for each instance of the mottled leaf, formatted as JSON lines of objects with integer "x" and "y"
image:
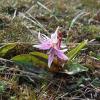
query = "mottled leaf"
{"x": 29, "y": 60}
{"x": 39, "y": 54}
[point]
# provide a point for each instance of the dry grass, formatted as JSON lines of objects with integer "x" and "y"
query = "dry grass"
{"x": 21, "y": 20}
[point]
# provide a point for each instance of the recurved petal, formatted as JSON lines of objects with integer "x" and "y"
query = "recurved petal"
{"x": 43, "y": 46}
{"x": 50, "y": 59}
{"x": 54, "y": 37}
{"x": 61, "y": 55}
{"x": 42, "y": 37}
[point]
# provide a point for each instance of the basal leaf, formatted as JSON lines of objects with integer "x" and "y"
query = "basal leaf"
{"x": 34, "y": 64}
{"x": 6, "y": 48}
{"x": 29, "y": 60}
{"x": 39, "y": 54}
{"x": 43, "y": 57}
{"x": 71, "y": 54}
{"x": 74, "y": 68}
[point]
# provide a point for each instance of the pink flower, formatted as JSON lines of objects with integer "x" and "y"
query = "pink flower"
{"x": 53, "y": 44}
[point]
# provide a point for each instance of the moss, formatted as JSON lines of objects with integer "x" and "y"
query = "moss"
{"x": 93, "y": 4}
{"x": 91, "y": 29}
{"x": 14, "y": 32}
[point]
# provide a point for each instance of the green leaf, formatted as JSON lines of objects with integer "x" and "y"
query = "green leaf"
{"x": 71, "y": 54}
{"x": 6, "y": 48}
{"x": 43, "y": 57}
{"x": 29, "y": 60}
{"x": 39, "y": 54}
{"x": 33, "y": 62}
{"x": 74, "y": 68}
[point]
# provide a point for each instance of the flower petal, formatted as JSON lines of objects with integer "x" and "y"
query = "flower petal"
{"x": 54, "y": 38}
{"x": 64, "y": 50}
{"x": 42, "y": 37}
{"x": 61, "y": 55}
{"x": 43, "y": 46}
{"x": 50, "y": 59}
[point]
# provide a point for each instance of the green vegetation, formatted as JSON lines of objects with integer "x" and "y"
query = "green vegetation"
{"x": 24, "y": 71}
